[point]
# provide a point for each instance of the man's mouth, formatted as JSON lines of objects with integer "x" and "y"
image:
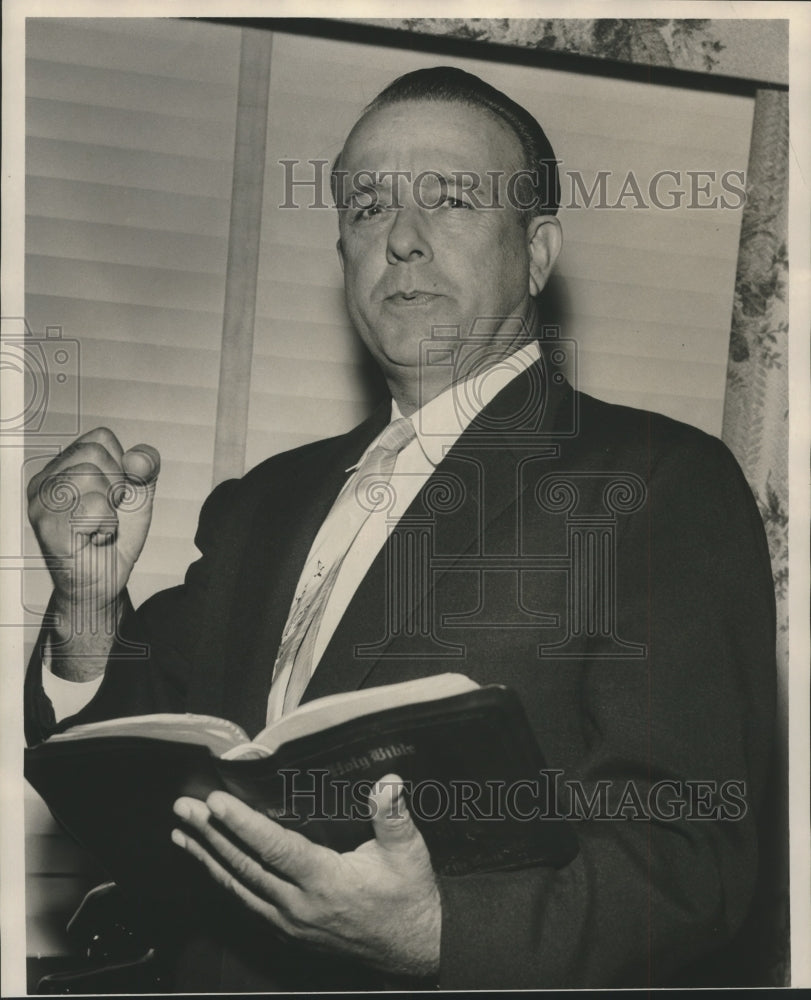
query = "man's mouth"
{"x": 417, "y": 297}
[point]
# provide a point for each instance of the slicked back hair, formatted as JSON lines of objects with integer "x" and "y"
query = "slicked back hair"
{"x": 540, "y": 187}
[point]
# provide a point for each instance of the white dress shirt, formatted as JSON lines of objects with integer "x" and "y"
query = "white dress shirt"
{"x": 438, "y": 425}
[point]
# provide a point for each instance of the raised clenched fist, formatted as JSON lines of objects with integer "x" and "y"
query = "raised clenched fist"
{"x": 90, "y": 508}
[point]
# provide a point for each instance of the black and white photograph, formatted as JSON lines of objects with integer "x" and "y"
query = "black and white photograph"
{"x": 405, "y": 515}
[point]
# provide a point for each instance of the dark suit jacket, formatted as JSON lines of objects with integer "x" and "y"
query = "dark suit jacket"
{"x": 610, "y": 565}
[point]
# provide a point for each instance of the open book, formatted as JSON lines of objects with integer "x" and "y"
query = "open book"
{"x": 228, "y": 740}
{"x": 459, "y": 748}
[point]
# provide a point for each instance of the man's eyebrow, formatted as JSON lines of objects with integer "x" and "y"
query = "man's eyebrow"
{"x": 378, "y": 184}
{"x": 461, "y": 180}
{"x": 466, "y": 175}
{"x": 375, "y": 179}
{"x": 449, "y": 176}
{"x": 367, "y": 178}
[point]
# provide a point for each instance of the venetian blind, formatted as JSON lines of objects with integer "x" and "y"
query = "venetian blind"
{"x": 130, "y": 144}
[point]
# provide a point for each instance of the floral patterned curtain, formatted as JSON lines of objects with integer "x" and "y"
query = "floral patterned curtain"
{"x": 756, "y": 403}
{"x": 756, "y": 418}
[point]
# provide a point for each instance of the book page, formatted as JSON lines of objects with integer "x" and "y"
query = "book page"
{"x": 218, "y": 735}
{"x": 338, "y": 708}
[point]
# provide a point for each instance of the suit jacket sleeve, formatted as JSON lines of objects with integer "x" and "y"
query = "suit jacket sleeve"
{"x": 648, "y": 894}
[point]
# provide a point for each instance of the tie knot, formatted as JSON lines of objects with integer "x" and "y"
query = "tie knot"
{"x": 397, "y": 435}
{"x": 372, "y": 491}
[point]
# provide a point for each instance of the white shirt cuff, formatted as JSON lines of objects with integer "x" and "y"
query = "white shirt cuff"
{"x": 67, "y": 697}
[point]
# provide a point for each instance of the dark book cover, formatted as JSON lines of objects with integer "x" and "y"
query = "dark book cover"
{"x": 474, "y": 778}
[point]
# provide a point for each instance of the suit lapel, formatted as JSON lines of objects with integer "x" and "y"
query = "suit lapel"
{"x": 482, "y": 471}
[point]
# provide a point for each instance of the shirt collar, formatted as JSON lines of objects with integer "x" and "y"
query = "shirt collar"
{"x": 440, "y": 422}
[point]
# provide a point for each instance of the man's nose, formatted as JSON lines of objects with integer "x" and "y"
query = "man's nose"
{"x": 408, "y": 237}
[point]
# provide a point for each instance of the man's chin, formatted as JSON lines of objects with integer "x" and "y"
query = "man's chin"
{"x": 400, "y": 358}
{"x": 404, "y": 345}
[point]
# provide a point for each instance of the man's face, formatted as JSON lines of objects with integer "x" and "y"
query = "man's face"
{"x": 426, "y": 256}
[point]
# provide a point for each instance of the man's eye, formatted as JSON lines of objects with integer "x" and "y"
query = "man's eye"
{"x": 452, "y": 202}
{"x": 367, "y": 213}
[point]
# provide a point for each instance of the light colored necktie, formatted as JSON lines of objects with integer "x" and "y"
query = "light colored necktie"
{"x": 365, "y": 493}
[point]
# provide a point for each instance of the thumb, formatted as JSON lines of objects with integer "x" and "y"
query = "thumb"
{"x": 135, "y": 493}
{"x": 134, "y": 497}
{"x": 393, "y": 826}
{"x": 141, "y": 464}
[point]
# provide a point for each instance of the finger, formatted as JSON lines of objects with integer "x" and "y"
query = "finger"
{"x": 101, "y": 438}
{"x": 245, "y": 867}
{"x": 83, "y": 493}
{"x": 393, "y": 826}
{"x": 192, "y": 811}
{"x": 105, "y": 437}
{"x": 283, "y": 850}
{"x": 225, "y": 878}
{"x": 89, "y": 453}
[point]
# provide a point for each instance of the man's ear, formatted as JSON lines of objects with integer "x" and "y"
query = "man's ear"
{"x": 340, "y": 248}
{"x": 544, "y": 239}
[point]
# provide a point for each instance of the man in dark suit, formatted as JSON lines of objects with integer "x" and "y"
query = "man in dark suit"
{"x": 606, "y": 563}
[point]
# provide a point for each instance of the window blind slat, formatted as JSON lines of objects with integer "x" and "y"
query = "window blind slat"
{"x": 144, "y": 170}
{"x": 157, "y": 47}
{"x": 150, "y": 364}
{"x": 629, "y": 301}
{"x": 290, "y": 338}
{"x": 134, "y": 91}
{"x": 160, "y": 211}
{"x": 282, "y": 300}
{"x": 177, "y": 405}
{"x": 94, "y": 241}
{"x": 124, "y": 283}
{"x": 692, "y": 381}
{"x": 275, "y": 375}
{"x": 117, "y": 128}
{"x": 122, "y": 321}
{"x": 663, "y": 341}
